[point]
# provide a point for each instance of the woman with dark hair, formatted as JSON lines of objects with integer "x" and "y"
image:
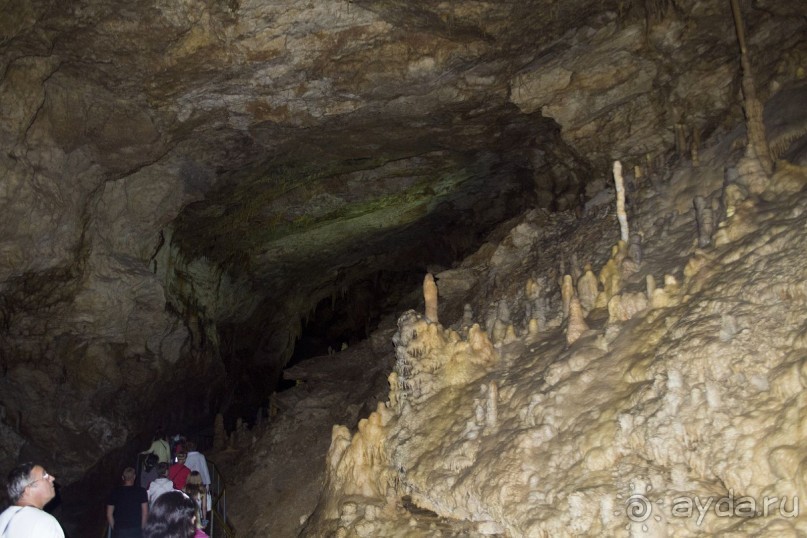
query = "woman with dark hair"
{"x": 159, "y": 447}
{"x": 150, "y": 471}
{"x": 173, "y": 515}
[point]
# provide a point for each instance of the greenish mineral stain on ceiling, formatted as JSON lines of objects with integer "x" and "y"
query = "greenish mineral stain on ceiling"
{"x": 305, "y": 207}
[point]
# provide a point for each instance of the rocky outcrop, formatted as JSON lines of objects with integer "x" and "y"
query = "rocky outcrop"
{"x": 693, "y": 396}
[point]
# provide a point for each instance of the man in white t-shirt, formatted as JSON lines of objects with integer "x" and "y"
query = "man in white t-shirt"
{"x": 30, "y": 487}
{"x": 196, "y": 461}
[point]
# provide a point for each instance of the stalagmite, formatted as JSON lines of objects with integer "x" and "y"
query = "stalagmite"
{"x": 566, "y": 293}
{"x": 492, "y": 407}
{"x": 430, "y": 297}
{"x": 499, "y": 331}
{"x": 577, "y": 322}
{"x": 219, "y": 433}
{"x": 467, "y": 315}
{"x": 611, "y": 275}
{"x": 680, "y": 140}
{"x": 635, "y": 248}
{"x": 575, "y": 269}
{"x": 704, "y": 216}
{"x": 587, "y": 289}
{"x": 532, "y": 289}
{"x": 620, "y": 202}
{"x": 503, "y": 311}
{"x": 510, "y": 334}
{"x": 757, "y": 146}
{"x": 536, "y": 305}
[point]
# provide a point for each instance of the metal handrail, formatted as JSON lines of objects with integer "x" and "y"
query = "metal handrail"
{"x": 219, "y": 525}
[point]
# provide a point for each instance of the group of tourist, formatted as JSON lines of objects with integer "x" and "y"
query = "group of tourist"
{"x": 171, "y": 467}
{"x": 171, "y": 502}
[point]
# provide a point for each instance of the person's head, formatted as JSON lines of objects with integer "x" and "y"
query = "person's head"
{"x": 159, "y": 433}
{"x": 30, "y": 484}
{"x": 182, "y": 456}
{"x": 162, "y": 469}
{"x": 190, "y": 446}
{"x": 129, "y": 475}
{"x": 173, "y": 515}
{"x": 194, "y": 480}
{"x": 150, "y": 462}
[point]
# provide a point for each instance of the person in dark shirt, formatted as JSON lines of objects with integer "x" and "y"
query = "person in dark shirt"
{"x": 149, "y": 472}
{"x": 127, "y": 507}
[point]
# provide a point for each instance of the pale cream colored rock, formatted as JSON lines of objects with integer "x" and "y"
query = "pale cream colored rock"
{"x": 510, "y": 334}
{"x": 624, "y": 306}
{"x": 587, "y": 289}
{"x": 430, "y": 297}
{"x": 467, "y": 315}
{"x": 577, "y": 323}
{"x": 611, "y": 280}
{"x": 621, "y": 215}
{"x": 650, "y": 284}
{"x": 566, "y": 293}
{"x": 532, "y": 289}
{"x": 499, "y": 331}
{"x": 492, "y": 405}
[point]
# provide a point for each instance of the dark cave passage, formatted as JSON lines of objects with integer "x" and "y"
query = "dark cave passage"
{"x": 350, "y": 317}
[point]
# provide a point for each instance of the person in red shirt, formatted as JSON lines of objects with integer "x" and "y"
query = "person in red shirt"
{"x": 178, "y": 473}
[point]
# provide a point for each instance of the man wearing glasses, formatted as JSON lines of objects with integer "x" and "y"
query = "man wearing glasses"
{"x": 30, "y": 488}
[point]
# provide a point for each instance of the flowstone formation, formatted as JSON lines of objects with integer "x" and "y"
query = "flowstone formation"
{"x": 671, "y": 402}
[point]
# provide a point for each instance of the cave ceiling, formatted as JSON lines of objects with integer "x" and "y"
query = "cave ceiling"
{"x": 184, "y": 180}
